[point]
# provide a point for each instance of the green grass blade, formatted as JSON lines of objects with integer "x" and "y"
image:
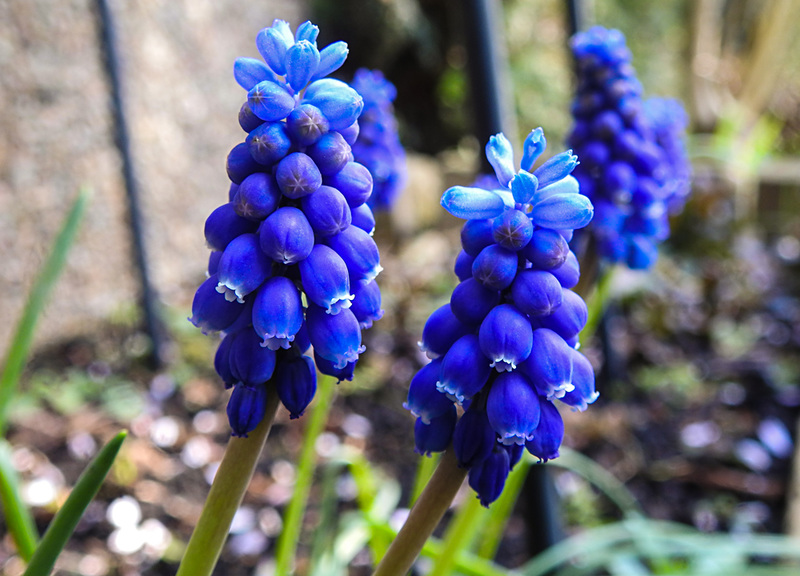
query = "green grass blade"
{"x": 21, "y": 341}
{"x": 425, "y": 467}
{"x": 601, "y": 478}
{"x": 67, "y": 518}
{"x": 18, "y": 517}
{"x": 292, "y": 523}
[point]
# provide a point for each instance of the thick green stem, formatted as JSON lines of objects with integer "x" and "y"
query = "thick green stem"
{"x": 226, "y": 494}
{"x": 461, "y": 533}
{"x": 292, "y": 523}
{"x": 424, "y": 517}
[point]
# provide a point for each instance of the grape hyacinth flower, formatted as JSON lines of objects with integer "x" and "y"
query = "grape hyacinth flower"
{"x": 290, "y": 268}
{"x": 378, "y": 145}
{"x": 629, "y": 166}
{"x": 669, "y": 120}
{"x": 505, "y": 347}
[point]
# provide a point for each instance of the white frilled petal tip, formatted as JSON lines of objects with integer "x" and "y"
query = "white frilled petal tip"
{"x": 472, "y": 203}
{"x": 509, "y": 439}
{"x": 450, "y": 392}
{"x": 585, "y": 404}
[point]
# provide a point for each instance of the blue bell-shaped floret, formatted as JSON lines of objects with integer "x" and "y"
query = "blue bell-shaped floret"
{"x": 325, "y": 279}
{"x": 506, "y": 337}
{"x": 512, "y": 407}
{"x": 242, "y": 268}
{"x": 465, "y": 370}
{"x": 246, "y": 407}
{"x": 548, "y": 435}
{"x": 435, "y": 435}
{"x": 474, "y": 439}
{"x": 296, "y": 383}
{"x": 335, "y": 337}
{"x": 277, "y": 313}
{"x": 424, "y": 400}
{"x": 441, "y": 330}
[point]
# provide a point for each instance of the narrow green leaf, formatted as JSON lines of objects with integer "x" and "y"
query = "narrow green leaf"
{"x": 600, "y": 478}
{"x": 18, "y": 517}
{"x": 23, "y": 336}
{"x": 293, "y": 517}
{"x": 67, "y": 518}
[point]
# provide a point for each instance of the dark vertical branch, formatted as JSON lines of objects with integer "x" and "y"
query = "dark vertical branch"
{"x": 579, "y": 16}
{"x": 490, "y": 83}
{"x": 494, "y": 112}
{"x": 153, "y": 324}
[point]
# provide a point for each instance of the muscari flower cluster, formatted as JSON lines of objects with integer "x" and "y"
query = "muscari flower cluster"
{"x": 628, "y": 164}
{"x": 378, "y": 146}
{"x": 293, "y": 263}
{"x": 505, "y": 346}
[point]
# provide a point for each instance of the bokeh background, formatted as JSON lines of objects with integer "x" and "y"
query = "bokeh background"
{"x": 700, "y": 379}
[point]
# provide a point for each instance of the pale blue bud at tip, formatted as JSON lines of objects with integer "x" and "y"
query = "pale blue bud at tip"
{"x": 307, "y": 31}
{"x": 556, "y": 168}
{"x": 524, "y": 186}
{"x": 248, "y": 72}
{"x": 331, "y": 59}
{"x": 563, "y": 212}
{"x": 340, "y": 103}
{"x": 532, "y": 148}
{"x": 272, "y": 44}
{"x": 472, "y": 203}
{"x": 302, "y": 60}
{"x": 501, "y": 156}
{"x": 270, "y": 101}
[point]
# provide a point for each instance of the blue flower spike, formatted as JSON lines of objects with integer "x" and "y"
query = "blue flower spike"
{"x": 505, "y": 346}
{"x": 634, "y": 163}
{"x": 288, "y": 256}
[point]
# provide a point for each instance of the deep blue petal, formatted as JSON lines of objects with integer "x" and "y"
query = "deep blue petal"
{"x": 335, "y": 337}
{"x": 512, "y": 407}
{"x": 424, "y": 400}
{"x": 223, "y": 225}
{"x": 246, "y": 408}
{"x": 325, "y": 279}
{"x": 550, "y": 364}
{"x": 307, "y": 124}
{"x": 297, "y": 175}
{"x": 250, "y": 362}
{"x": 367, "y": 303}
{"x": 495, "y": 267}
{"x": 547, "y": 249}
{"x": 240, "y": 163}
{"x": 286, "y": 236}
{"x": 471, "y": 301}
{"x": 568, "y": 319}
{"x": 354, "y": 181}
{"x": 440, "y": 331}
{"x": 277, "y": 312}
{"x": 211, "y": 311}
{"x": 436, "y": 434}
{"x": 489, "y": 477}
{"x": 583, "y": 380}
{"x": 536, "y": 292}
{"x": 512, "y": 229}
{"x": 506, "y": 337}
{"x": 465, "y": 370}
{"x": 268, "y": 143}
{"x": 296, "y": 383}
{"x": 474, "y": 439}
{"x": 257, "y": 196}
{"x": 359, "y": 251}
{"x": 548, "y": 435}
{"x": 327, "y": 211}
{"x": 329, "y": 368}
{"x": 331, "y": 153}
{"x": 270, "y": 101}
{"x": 242, "y": 267}
{"x": 477, "y": 235}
